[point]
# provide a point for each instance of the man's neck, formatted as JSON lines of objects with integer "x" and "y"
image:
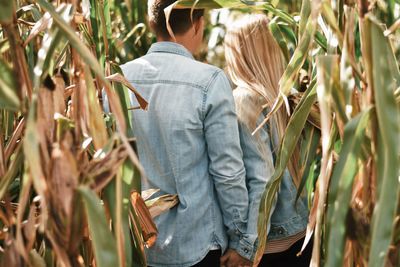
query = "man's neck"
{"x": 180, "y": 39}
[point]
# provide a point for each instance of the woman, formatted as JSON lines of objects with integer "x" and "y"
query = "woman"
{"x": 255, "y": 65}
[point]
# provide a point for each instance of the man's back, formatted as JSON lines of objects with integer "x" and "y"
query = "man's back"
{"x": 188, "y": 144}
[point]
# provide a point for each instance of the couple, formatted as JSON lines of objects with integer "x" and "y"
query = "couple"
{"x": 191, "y": 144}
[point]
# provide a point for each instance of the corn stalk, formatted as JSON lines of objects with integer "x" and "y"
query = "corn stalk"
{"x": 68, "y": 169}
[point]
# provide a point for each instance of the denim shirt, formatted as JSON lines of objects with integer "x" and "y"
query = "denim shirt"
{"x": 188, "y": 143}
{"x": 287, "y": 217}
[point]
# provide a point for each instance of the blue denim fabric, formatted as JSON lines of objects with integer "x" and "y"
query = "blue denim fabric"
{"x": 188, "y": 143}
{"x": 287, "y": 217}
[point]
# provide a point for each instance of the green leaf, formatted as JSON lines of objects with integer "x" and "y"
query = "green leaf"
{"x": 74, "y": 40}
{"x": 87, "y": 57}
{"x": 7, "y": 11}
{"x": 313, "y": 136}
{"x": 289, "y": 77}
{"x": 280, "y": 39}
{"x": 300, "y": 54}
{"x": 124, "y": 97}
{"x": 341, "y": 185}
{"x": 104, "y": 244}
{"x": 291, "y": 137}
{"x": 11, "y": 172}
{"x": 51, "y": 40}
{"x": 133, "y": 252}
{"x": 36, "y": 260}
{"x": 8, "y": 96}
{"x": 383, "y": 74}
{"x": 329, "y": 16}
{"x": 289, "y": 34}
{"x": 304, "y": 16}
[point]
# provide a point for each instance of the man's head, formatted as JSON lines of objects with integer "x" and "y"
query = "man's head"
{"x": 186, "y": 26}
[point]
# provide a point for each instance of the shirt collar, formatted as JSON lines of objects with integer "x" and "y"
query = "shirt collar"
{"x": 170, "y": 47}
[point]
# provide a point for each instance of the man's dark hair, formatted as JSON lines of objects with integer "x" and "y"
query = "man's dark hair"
{"x": 180, "y": 19}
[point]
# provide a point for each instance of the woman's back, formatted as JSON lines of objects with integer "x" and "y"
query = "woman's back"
{"x": 255, "y": 65}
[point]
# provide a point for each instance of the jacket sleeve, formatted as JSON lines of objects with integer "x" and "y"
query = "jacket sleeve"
{"x": 225, "y": 161}
{"x": 258, "y": 162}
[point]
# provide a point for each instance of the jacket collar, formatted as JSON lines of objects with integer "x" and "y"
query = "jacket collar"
{"x": 170, "y": 47}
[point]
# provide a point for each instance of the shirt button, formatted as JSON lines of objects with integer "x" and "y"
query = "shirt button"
{"x": 246, "y": 250}
{"x": 280, "y": 231}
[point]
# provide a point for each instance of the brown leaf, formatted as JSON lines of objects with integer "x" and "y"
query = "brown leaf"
{"x": 121, "y": 79}
{"x": 312, "y": 219}
{"x": 64, "y": 179}
{"x": 11, "y": 256}
{"x": 102, "y": 170}
{"x": 29, "y": 228}
{"x": 40, "y": 26}
{"x": 12, "y": 144}
{"x": 95, "y": 121}
{"x": 161, "y": 204}
{"x": 58, "y": 95}
{"x": 2, "y": 159}
{"x": 149, "y": 229}
{"x": 62, "y": 256}
{"x": 146, "y": 194}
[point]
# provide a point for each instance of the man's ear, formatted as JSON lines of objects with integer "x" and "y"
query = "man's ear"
{"x": 199, "y": 25}
{"x": 152, "y": 25}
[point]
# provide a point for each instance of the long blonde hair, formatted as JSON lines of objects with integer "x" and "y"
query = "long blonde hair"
{"x": 255, "y": 64}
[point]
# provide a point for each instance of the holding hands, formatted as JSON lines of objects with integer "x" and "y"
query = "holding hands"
{"x": 233, "y": 259}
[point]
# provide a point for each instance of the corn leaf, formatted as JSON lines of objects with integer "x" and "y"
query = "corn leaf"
{"x": 384, "y": 77}
{"x": 88, "y": 58}
{"x": 127, "y": 177}
{"x": 280, "y": 39}
{"x": 104, "y": 244}
{"x": 11, "y": 172}
{"x": 293, "y": 132}
{"x": 313, "y": 136}
{"x": 8, "y": 96}
{"x": 304, "y": 15}
{"x": 340, "y": 190}
{"x": 292, "y": 71}
{"x": 6, "y": 11}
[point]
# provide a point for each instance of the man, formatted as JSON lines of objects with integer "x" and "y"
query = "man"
{"x": 188, "y": 143}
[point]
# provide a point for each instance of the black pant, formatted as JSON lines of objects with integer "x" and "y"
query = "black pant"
{"x": 288, "y": 257}
{"x": 212, "y": 259}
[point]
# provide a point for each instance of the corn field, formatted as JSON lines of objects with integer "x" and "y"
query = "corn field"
{"x": 69, "y": 174}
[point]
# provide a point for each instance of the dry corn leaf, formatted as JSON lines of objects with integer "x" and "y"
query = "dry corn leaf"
{"x": 16, "y": 136}
{"x": 121, "y": 79}
{"x": 64, "y": 179}
{"x": 95, "y": 121}
{"x": 146, "y": 194}
{"x": 2, "y": 159}
{"x": 40, "y": 26}
{"x": 149, "y": 229}
{"x": 161, "y": 204}
{"x": 103, "y": 170}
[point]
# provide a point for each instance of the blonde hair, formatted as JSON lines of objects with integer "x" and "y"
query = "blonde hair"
{"x": 255, "y": 64}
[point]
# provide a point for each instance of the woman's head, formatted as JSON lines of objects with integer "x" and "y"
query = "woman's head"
{"x": 253, "y": 56}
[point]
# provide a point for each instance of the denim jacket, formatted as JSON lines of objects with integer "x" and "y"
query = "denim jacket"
{"x": 288, "y": 217}
{"x": 188, "y": 143}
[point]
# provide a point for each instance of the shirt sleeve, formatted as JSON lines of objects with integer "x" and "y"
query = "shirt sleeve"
{"x": 225, "y": 162}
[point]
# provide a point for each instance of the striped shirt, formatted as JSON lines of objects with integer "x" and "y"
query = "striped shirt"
{"x": 280, "y": 245}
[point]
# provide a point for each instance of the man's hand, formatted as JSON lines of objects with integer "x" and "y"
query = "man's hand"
{"x": 232, "y": 259}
